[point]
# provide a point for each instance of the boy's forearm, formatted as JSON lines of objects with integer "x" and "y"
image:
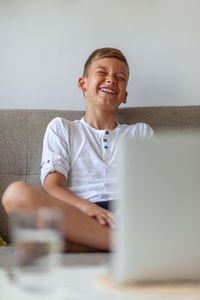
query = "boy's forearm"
{"x": 67, "y": 196}
{"x": 104, "y": 217}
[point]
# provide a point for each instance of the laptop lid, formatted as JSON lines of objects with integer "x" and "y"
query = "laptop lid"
{"x": 158, "y": 237}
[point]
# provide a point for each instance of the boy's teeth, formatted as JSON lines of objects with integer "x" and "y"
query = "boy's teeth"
{"x": 108, "y": 91}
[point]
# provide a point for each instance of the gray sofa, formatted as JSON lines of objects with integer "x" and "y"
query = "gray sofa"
{"x": 21, "y": 135}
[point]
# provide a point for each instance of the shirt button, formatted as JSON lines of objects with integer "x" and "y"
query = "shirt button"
{"x": 106, "y": 147}
{"x": 105, "y": 140}
{"x": 107, "y": 132}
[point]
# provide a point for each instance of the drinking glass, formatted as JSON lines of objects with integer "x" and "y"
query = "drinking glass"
{"x": 38, "y": 245}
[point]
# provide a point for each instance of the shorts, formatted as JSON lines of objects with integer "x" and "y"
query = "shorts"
{"x": 110, "y": 204}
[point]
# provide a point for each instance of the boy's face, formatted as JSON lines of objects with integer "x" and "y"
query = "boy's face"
{"x": 105, "y": 84}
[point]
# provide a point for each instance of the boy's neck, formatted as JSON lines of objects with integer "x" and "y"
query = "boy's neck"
{"x": 101, "y": 121}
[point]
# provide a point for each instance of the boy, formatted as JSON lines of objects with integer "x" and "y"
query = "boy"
{"x": 79, "y": 157}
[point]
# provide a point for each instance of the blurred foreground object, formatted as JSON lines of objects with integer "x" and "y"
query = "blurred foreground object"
{"x": 159, "y": 191}
{"x": 38, "y": 244}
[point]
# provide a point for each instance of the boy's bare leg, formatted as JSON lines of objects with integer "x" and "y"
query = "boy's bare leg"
{"x": 78, "y": 228}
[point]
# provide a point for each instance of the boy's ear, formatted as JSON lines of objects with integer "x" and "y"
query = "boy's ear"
{"x": 81, "y": 83}
{"x": 126, "y": 95}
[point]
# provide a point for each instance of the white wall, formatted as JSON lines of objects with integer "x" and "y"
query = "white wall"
{"x": 44, "y": 44}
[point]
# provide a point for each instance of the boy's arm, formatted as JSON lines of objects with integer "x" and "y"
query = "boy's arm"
{"x": 55, "y": 185}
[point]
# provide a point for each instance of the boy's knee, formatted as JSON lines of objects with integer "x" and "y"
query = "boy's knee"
{"x": 14, "y": 196}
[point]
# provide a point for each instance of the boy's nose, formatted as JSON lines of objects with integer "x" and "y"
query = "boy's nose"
{"x": 111, "y": 80}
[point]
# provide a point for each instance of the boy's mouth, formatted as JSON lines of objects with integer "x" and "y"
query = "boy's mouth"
{"x": 108, "y": 90}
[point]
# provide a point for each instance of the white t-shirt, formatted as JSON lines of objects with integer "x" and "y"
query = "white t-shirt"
{"x": 86, "y": 156}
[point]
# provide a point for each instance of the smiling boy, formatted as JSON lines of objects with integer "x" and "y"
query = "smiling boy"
{"x": 79, "y": 157}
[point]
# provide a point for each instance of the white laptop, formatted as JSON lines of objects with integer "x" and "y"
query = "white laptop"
{"x": 158, "y": 237}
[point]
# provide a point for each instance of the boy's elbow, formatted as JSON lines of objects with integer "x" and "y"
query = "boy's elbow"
{"x": 53, "y": 181}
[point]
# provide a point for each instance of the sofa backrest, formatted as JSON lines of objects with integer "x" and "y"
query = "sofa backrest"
{"x": 22, "y": 131}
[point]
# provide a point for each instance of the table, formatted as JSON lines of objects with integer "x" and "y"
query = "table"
{"x": 80, "y": 279}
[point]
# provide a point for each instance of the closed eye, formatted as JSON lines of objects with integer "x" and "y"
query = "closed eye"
{"x": 102, "y": 72}
{"x": 121, "y": 78}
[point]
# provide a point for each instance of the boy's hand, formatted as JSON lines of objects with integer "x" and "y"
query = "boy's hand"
{"x": 103, "y": 216}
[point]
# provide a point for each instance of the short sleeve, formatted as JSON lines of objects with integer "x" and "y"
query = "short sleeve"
{"x": 144, "y": 131}
{"x": 139, "y": 130}
{"x": 55, "y": 153}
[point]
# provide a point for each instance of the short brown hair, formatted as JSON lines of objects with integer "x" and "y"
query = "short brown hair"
{"x": 102, "y": 53}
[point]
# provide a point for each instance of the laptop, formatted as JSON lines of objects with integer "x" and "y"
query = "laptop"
{"x": 158, "y": 237}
